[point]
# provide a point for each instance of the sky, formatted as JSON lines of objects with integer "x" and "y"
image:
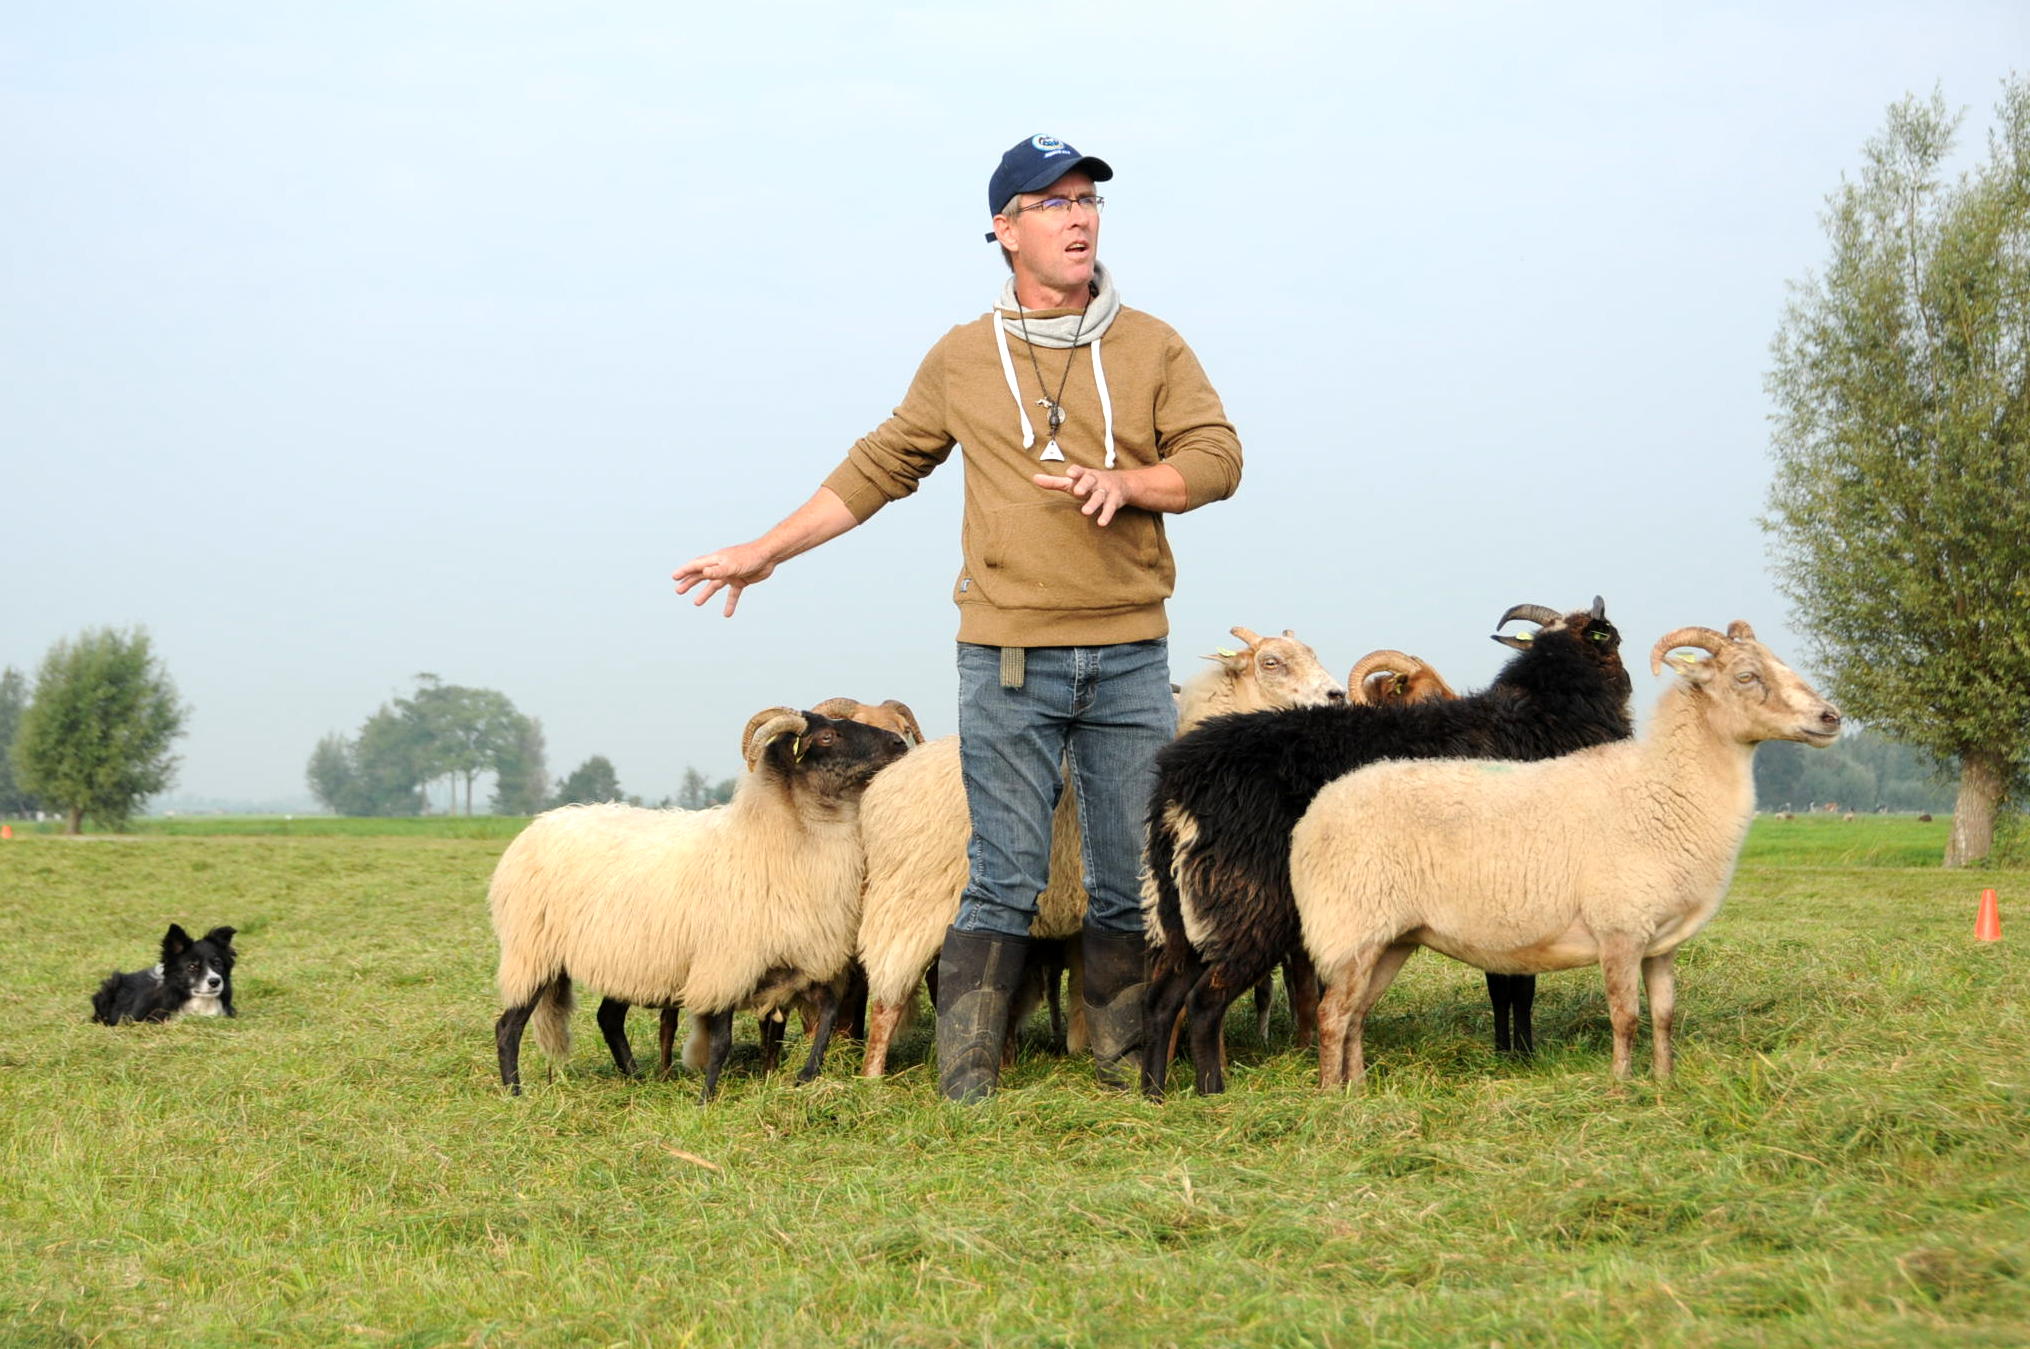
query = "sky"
{"x": 342, "y": 343}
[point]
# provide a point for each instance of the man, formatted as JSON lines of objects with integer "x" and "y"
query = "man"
{"x": 1082, "y": 422}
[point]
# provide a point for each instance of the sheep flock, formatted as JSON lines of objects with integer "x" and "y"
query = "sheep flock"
{"x": 1327, "y": 829}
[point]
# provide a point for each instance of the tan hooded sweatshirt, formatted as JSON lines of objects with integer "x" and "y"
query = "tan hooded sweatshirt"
{"x": 1036, "y": 571}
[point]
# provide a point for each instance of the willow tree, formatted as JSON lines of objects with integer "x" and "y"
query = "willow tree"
{"x": 1901, "y": 502}
{"x": 95, "y": 738}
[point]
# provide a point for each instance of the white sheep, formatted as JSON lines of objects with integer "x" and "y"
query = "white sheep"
{"x": 751, "y": 904}
{"x": 915, "y": 826}
{"x": 1613, "y": 855}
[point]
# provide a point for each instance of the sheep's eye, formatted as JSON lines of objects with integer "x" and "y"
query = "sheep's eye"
{"x": 1747, "y": 677}
{"x": 1271, "y": 663}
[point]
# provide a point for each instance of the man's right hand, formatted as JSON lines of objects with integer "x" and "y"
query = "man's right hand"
{"x": 733, "y": 569}
{"x": 729, "y": 569}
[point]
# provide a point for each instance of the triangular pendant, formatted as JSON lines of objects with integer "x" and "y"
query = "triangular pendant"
{"x": 1051, "y": 451}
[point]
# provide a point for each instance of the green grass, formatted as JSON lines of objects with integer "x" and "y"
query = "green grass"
{"x": 301, "y": 826}
{"x": 1842, "y": 1160}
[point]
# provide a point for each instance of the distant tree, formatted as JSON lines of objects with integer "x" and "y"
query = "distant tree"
{"x": 590, "y": 782}
{"x": 332, "y": 776}
{"x": 1901, "y": 501}
{"x": 465, "y": 731}
{"x": 392, "y": 762}
{"x": 95, "y": 738}
{"x": 14, "y": 799}
{"x": 522, "y": 779}
{"x": 695, "y": 793}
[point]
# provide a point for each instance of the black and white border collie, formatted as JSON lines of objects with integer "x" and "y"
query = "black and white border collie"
{"x": 195, "y": 978}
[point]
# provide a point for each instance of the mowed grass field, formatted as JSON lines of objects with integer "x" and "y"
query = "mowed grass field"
{"x": 1843, "y": 1158}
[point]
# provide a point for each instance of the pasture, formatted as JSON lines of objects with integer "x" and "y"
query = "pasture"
{"x": 1843, "y": 1157}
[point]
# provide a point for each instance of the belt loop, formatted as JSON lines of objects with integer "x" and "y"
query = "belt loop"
{"x": 1012, "y": 666}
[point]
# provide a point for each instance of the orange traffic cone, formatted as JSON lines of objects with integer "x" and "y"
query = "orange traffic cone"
{"x": 1988, "y": 926}
{"x": 6, "y": 831}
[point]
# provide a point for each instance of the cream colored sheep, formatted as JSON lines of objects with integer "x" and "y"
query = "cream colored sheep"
{"x": 916, "y": 829}
{"x": 1613, "y": 855}
{"x": 750, "y": 904}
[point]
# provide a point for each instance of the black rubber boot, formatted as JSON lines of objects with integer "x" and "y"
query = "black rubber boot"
{"x": 1116, "y": 986}
{"x": 977, "y": 975}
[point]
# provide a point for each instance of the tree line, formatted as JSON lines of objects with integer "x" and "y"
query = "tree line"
{"x": 92, "y": 739}
{"x": 453, "y": 734}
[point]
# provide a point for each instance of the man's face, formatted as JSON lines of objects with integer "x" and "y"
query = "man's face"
{"x": 1056, "y": 249}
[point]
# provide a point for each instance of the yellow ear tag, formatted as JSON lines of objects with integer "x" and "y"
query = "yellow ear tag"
{"x": 799, "y": 747}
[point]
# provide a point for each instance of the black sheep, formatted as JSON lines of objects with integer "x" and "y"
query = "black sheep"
{"x": 1229, "y": 793}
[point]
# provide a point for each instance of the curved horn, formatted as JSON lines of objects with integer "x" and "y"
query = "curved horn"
{"x": 839, "y": 709}
{"x": 1248, "y": 635}
{"x": 1705, "y": 639}
{"x": 765, "y": 726}
{"x": 901, "y": 709}
{"x": 1375, "y": 662}
{"x": 1740, "y": 631}
{"x": 1535, "y": 613}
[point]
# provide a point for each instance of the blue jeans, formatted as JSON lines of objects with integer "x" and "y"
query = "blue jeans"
{"x": 1102, "y": 711}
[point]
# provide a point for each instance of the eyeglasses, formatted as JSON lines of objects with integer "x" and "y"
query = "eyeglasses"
{"x": 1052, "y": 205}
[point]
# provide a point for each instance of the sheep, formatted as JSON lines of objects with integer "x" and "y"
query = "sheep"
{"x": 1388, "y": 676}
{"x": 1612, "y": 856}
{"x": 891, "y": 715}
{"x": 1378, "y": 677}
{"x": 1217, "y": 889}
{"x": 916, "y": 828}
{"x": 750, "y": 904}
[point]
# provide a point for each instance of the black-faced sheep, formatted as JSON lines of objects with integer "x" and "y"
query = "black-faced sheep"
{"x": 752, "y": 904}
{"x": 1217, "y": 893}
{"x": 890, "y": 715}
{"x": 1611, "y": 856}
{"x": 915, "y": 825}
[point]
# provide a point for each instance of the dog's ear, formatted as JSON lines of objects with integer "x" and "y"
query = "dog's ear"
{"x": 221, "y": 936}
{"x": 174, "y": 942}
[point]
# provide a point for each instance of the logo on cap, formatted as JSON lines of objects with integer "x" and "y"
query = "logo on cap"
{"x": 1050, "y": 145}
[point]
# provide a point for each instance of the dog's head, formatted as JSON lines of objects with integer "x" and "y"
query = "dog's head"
{"x": 201, "y": 967}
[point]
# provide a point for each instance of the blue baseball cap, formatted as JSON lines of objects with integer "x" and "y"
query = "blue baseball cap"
{"x": 1034, "y": 164}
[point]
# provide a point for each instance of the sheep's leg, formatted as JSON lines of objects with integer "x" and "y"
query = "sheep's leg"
{"x": 612, "y": 1019}
{"x": 1512, "y": 996}
{"x": 882, "y": 1019}
{"x": 1301, "y": 980}
{"x": 666, "y": 1039}
{"x": 719, "y": 1044}
{"x": 1265, "y": 998}
{"x": 1660, "y": 978}
{"x": 1522, "y": 1005}
{"x": 1620, "y": 967}
{"x": 507, "y": 1039}
{"x": 1342, "y": 1013}
{"x": 1206, "y": 1010}
{"x": 773, "y": 1024}
{"x": 1163, "y": 1005}
{"x": 821, "y": 1038}
{"x": 853, "y": 1003}
{"x": 1335, "y": 1020}
{"x": 1498, "y": 999}
{"x": 1077, "y": 1039}
{"x": 1053, "y": 993}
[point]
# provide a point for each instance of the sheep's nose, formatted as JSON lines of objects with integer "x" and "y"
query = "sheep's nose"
{"x": 1335, "y": 695}
{"x": 1830, "y": 718}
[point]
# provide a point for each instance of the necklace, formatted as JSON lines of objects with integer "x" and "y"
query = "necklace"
{"x": 1053, "y": 407}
